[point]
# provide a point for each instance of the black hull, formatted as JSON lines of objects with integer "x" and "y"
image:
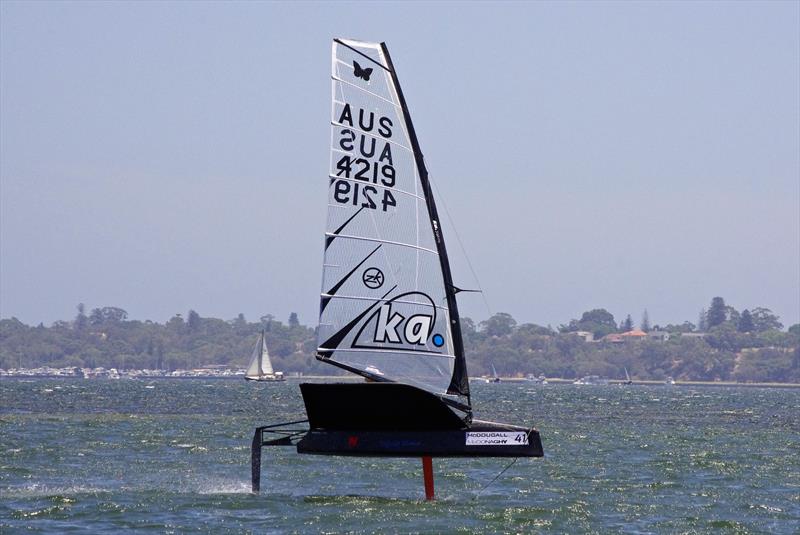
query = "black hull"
{"x": 390, "y": 420}
{"x": 395, "y": 420}
{"x": 424, "y": 443}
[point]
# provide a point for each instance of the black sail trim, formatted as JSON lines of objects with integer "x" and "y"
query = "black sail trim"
{"x": 333, "y": 342}
{"x": 459, "y": 383}
{"x": 330, "y": 239}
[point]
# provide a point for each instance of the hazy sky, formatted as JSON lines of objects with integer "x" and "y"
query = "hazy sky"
{"x": 162, "y": 157}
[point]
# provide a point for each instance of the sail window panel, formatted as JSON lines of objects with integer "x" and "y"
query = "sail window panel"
{"x": 383, "y": 202}
{"x": 368, "y": 72}
{"x": 368, "y": 269}
{"x": 397, "y": 325}
{"x": 369, "y": 144}
{"x": 367, "y": 54}
{"x": 372, "y": 334}
{"x": 347, "y": 139}
{"x": 389, "y": 149}
{"x": 432, "y": 374}
{"x": 367, "y": 113}
{"x": 372, "y": 50}
{"x": 405, "y": 223}
{"x": 361, "y": 101}
{"x": 372, "y": 160}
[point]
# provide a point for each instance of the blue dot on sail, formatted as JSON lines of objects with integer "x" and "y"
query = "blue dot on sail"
{"x": 438, "y": 340}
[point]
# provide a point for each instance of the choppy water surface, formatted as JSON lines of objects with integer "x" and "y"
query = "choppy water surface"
{"x": 173, "y": 456}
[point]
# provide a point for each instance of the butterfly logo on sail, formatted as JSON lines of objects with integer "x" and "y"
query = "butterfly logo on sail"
{"x": 361, "y": 72}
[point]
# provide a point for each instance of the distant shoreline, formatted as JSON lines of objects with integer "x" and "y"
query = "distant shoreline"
{"x": 104, "y": 343}
{"x": 553, "y": 380}
{"x": 659, "y": 383}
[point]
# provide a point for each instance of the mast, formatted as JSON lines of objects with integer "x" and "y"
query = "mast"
{"x": 459, "y": 383}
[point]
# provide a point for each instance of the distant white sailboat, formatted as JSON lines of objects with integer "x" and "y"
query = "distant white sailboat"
{"x": 494, "y": 378}
{"x": 260, "y": 368}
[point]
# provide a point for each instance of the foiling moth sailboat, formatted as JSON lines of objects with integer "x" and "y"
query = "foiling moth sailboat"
{"x": 260, "y": 367}
{"x": 388, "y": 309}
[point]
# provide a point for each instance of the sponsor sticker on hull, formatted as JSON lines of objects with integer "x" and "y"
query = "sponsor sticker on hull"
{"x": 497, "y": 438}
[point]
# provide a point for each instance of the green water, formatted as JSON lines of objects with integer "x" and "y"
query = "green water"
{"x": 173, "y": 456}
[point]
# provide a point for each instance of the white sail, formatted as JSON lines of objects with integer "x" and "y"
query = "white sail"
{"x": 266, "y": 364}
{"x": 254, "y": 368}
{"x": 260, "y": 365}
{"x": 385, "y": 310}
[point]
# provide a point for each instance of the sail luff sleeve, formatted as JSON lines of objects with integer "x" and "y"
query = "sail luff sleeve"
{"x": 459, "y": 383}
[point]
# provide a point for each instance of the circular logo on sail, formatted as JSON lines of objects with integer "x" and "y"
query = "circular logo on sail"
{"x": 372, "y": 278}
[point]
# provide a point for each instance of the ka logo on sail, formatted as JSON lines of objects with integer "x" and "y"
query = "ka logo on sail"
{"x": 416, "y": 331}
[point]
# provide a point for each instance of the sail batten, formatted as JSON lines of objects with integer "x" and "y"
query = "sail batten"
{"x": 333, "y": 296}
{"x": 387, "y": 305}
{"x": 340, "y": 80}
{"x": 398, "y": 351}
{"x": 355, "y": 129}
{"x": 377, "y": 240}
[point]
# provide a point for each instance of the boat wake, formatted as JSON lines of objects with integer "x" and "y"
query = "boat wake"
{"x": 223, "y": 487}
{"x": 38, "y": 490}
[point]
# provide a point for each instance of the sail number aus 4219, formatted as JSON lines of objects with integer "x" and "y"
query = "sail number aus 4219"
{"x": 346, "y": 192}
{"x": 363, "y": 169}
{"x": 366, "y": 195}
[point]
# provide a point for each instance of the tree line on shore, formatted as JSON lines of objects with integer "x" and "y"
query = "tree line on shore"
{"x": 725, "y": 345}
